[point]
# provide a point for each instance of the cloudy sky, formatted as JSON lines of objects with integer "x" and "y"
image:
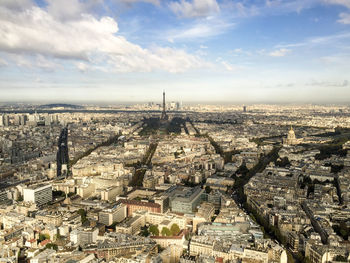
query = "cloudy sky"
{"x": 197, "y": 50}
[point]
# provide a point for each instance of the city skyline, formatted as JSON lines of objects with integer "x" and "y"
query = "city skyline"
{"x": 175, "y": 131}
{"x": 200, "y": 184}
{"x": 217, "y": 51}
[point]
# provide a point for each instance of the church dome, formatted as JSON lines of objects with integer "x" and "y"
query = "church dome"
{"x": 291, "y": 134}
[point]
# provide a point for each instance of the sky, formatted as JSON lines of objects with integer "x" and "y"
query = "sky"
{"x": 232, "y": 51}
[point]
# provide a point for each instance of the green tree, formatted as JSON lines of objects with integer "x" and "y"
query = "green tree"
{"x": 144, "y": 231}
{"x": 42, "y": 237}
{"x": 166, "y": 232}
{"x": 82, "y": 214}
{"x": 341, "y": 258}
{"x": 58, "y": 193}
{"x": 174, "y": 229}
{"x": 153, "y": 229}
{"x": 342, "y": 230}
{"x": 52, "y": 246}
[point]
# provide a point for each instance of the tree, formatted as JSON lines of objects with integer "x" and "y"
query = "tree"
{"x": 282, "y": 162}
{"x": 144, "y": 231}
{"x": 82, "y": 214}
{"x": 58, "y": 193}
{"x": 340, "y": 258}
{"x": 174, "y": 229}
{"x": 52, "y": 246}
{"x": 344, "y": 231}
{"x": 207, "y": 189}
{"x": 166, "y": 232}
{"x": 153, "y": 229}
{"x": 42, "y": 237}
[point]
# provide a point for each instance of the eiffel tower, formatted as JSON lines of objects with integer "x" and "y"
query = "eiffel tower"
{"x": 164, "y": 115}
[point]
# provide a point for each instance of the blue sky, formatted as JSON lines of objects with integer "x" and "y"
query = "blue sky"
{"x": 197, "y": 50}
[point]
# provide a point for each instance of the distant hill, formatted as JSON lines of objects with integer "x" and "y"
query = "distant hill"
{"x": 60, "y": 105}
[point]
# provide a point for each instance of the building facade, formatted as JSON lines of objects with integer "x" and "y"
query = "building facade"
{"x": 39, "y": 194}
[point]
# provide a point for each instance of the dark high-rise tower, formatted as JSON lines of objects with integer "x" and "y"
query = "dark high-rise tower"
{"x": 164, "y": 116}
{"x": 62, "y": 153}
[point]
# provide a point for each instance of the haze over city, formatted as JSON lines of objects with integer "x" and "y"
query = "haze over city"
{"x": 198, "y": 50}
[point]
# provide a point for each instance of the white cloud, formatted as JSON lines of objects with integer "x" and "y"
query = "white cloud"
{"x": 279, "y": 52}
{"x": 70, "y": 9}
{"x": 241, "y": 52}
{"x": 83, "y": 67}
{"x": 317, "y": 41}
{"x": 340, "y": 60}
{"x": 343, "y": 83}
{"x": 345, "y": 3}
{"x": 21, "y": 61}
{"x": 46, "y": 64}
{"x": 229, "y": 66}
{"x": 290, "y": 5}
{"x": 16, "y": 4}
{"x": 31, "y": 62}
{"x": 243, "y": 8}
{"x": 169, "y": 59}
{"x": 154, "y": 2}
{"x": 3, "y": 62}
{"x": 200, "y": 29}
{"x": 195, "y": 8}
{"x": 36, "y": 31}
{"x": 240, "y": 9}
{"x": 344, "y": 18}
